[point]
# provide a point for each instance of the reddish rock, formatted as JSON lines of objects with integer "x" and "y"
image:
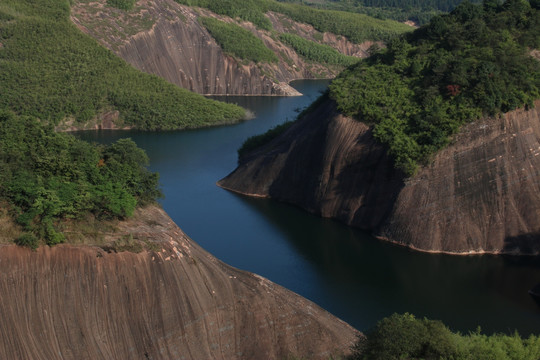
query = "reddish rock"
{"x": 479, "y": 195}
{"x": 180, "y": 302}
{"x": 164, "y": 38}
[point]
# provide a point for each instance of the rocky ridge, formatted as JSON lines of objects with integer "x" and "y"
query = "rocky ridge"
{"x": 165, "y": 38}
{"x": 479, "y": 195}
{"x": 178, "y": 302}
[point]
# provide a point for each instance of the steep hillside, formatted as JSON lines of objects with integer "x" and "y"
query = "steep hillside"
{"x": 52, "y": 71}
{"x": 165, "y": 38}
{"x": 178, "y": 302}
{"x": 480, "y": 194}
{"x": 431, "y": 143}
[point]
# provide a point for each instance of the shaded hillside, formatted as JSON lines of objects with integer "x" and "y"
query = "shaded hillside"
{"x": 50, "y": 70}
{"x": 480, "y": 194}
{"x": 177, "y": 302}
{"x": 165, "y": 38}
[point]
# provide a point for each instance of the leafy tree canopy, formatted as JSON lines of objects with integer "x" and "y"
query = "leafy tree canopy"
{"x": 406, "y": 337}
{"x": 418, "y": 92}
{"x": 47, "y": 176}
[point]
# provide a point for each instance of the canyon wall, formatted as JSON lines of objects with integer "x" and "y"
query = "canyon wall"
{"x": 178, "y": 302}
{"x": 164, "y": 38}
{"x": 479, "y": 195}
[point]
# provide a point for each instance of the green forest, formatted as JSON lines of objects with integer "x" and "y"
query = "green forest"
{"x": 47, "y": 177}
{"x": 425, "y": 85}
{"x": 356, "y": 27}
{"x": 52, "y": 71}
{"x": 315, "y": 52}
{"x": 420, "y": 11}
{"x": 238, "y": 42}
{"x": 406, "y": 337}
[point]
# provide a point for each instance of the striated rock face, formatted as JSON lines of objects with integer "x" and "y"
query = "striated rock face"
{"x": 180, "y": 302}
{"x": 164, "y": 38}
{"x": 479, "y": 195}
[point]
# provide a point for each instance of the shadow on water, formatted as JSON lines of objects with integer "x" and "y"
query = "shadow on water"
{"x": 366, "y": 279}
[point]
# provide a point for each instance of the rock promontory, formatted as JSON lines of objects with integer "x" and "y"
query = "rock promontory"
{"x": 481, "y": 194}
{"x": 175, "y": 302}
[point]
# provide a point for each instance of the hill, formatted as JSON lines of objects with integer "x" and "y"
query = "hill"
{"x": 52, "y": 71}
{"x": 473, "y": 187}
{"x": 232, "y": 47}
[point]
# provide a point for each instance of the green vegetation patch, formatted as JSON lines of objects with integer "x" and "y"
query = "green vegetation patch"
{"x": 256, "y": 141}
{"x": 122, "y": 4}
{"x": 47, "y": 177}
{"x": 238, "y": 42}
{"x": 248, "y": 10}
{"x": 51, "y": 70}
{"x": 356, "y": 27}
{"x": 420, "y": 11}
{"x": 405, "y": 337}
{"x": 418, "y": 92}
{"x": 315, "y": 52}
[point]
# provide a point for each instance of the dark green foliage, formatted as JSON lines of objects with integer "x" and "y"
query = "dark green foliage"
{"x": 405, "y": 337}
{"x": 356, "y": 27}
{"x": 48, "y": 176}
{"x": 248, "y": 10}
{"x": 238, "y": 42}
{"x": 28, "y": 240}
{"x": 424, "y": 86}
{"x": 256, "y": 141}
{"x": 51, "y": 70}
{"x": 420, "y": 11}
{"x": 315, "y": 52}
{"x": 121, "y": 4}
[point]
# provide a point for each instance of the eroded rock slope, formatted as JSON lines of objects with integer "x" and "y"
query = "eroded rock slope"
{"x": 165, "y": 38}
{"x": 480, "y": 194}
{"x": 70, "y": 302}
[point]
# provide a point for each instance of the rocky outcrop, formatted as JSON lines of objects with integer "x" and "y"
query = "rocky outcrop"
{"x": 179, "y": 302}
{"x": 164, "y": 38}
{"x": 479, "y": 195}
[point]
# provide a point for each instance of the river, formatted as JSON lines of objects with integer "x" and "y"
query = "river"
{"x": 344, "y": 270}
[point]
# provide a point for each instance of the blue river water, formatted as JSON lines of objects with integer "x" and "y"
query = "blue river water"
{"x": 344, "y": 270}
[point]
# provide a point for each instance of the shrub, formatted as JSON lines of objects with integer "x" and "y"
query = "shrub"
{"x": 238, "y": 42}
{"x": 47, "y": 176}
{"x": 406, "y": 337}
{"x": 28, "y": 240}
{"x": 312, "y": 51}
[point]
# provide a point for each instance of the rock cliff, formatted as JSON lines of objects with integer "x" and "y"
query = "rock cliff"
{"x": 164, "y": 38}
{"x": 179, "y": 302}
{"x": 479, "y": 195}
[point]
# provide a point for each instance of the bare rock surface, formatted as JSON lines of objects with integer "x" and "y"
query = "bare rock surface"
{"x": 165, "y": 38}
{"x": 80, "y": 302}
{"x": 479, "y": 195}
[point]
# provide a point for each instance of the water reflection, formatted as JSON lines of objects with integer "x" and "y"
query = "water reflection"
{"x": 381, "y": 278}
